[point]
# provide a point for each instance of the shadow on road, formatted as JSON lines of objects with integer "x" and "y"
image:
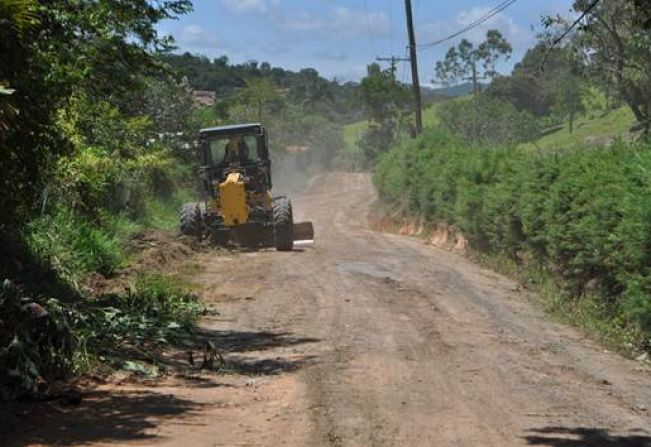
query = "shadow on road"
{"x": 230, "y": 343}
{"x": 586, "y": 437}
{"x": 245, "y": 341}
{"x": 120, "y": 415}
{"x": 103, "y": 416}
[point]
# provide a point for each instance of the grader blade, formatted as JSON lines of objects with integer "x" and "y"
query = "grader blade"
{"x": 303, "y": 232}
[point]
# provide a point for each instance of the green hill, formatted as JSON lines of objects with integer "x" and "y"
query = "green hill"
{"x": 592, "y": 129}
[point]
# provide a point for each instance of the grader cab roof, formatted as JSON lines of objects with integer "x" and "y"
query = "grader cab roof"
{"x": 227, "y": 131}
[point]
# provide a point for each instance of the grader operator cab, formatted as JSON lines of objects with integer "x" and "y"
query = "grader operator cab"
{"x": 236, "y": 180}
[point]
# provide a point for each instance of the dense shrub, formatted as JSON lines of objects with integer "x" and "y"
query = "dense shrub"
{"x": 487, "y": 120}
{"x": 585, "y": 216}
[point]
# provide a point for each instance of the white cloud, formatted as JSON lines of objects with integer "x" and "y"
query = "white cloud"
{"x": 337, "y": 56}
{"x": 247, "y": 6}
{"x": 518, "y": 36}
{"x": 196, "y": 36}
{"x": 342, "y": 23}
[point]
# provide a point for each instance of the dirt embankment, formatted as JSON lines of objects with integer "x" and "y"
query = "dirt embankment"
{"x": 444, "y": 236}
{"x": 367, "y": 339}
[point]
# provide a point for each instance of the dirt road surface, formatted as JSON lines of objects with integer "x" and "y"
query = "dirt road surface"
{"x": 369, "y": 339}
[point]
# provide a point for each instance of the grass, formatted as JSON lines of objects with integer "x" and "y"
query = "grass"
{"x": 594, "y": 128}
{"x": 587, "y": 312}
{"x": 163, "y": 214}
{"x": 77, "y": 246}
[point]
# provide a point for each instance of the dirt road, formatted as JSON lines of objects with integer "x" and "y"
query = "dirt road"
{"x": 370, "y": 339}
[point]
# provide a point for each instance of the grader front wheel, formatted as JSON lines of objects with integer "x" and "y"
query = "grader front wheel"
{"x": 283, "y": 224}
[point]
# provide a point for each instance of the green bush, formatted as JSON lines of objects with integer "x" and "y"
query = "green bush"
{"x": 487, "y": 120}
{"x": 584, "y": 216}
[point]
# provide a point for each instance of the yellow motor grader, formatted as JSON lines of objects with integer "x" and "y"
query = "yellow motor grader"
{"x": 238, "y": 208}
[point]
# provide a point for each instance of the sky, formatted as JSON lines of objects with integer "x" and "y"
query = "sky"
{"x": 341, "y": 37}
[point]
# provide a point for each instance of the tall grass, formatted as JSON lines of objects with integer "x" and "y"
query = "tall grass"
{"x": 74, "y": 246}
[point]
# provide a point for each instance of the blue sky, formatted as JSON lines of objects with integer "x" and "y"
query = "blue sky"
{"x": 341, "y": 37}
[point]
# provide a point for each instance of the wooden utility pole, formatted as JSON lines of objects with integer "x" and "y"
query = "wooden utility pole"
{"x": 414, "y": 67}
{"x": 393, "y": 60}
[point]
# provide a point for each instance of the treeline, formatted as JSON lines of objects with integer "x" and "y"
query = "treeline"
{"x": 305, "y": 86}
{"x": 303, "y": 111}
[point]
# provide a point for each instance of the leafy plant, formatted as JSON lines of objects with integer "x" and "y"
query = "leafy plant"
{"x": 48, "y": 340}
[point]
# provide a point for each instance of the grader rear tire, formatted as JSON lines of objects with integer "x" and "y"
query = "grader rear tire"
{"x": 283, "y": 224}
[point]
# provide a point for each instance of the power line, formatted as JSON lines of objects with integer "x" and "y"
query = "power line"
{"x": 568, "y": 31}
{"x": 489, "y": 15}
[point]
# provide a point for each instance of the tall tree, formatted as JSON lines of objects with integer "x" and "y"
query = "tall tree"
{"x": 258, "y": 101}
{"x": 614, "y": 44}
{"x": 568, "y": 98}
{"x": 492, "y": 50}
{"x": 461, "y": 62}
{"x": 385, "y": 101}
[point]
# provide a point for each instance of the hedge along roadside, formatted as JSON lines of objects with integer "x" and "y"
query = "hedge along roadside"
{"x": 582, "y": 216}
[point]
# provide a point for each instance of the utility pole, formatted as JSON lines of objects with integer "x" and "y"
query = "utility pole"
{"x": 393, "y": 60}
{"x": 414, "y": 67}
{"x": 475, "y": 89}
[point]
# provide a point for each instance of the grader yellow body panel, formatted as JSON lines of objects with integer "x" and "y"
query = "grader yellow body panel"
{"x": 233, "y": 204}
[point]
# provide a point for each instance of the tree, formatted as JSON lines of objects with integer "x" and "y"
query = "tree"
{"x": 492, "y": 50}
{"x": 530, "y": 88}
{"x": 258, "y": 101}
{"x": 15, "y": 18}
{"x": 568, "y": 98}
{"x": 308, "y": 89}
{"x": 460, "y": 63}
{"x": 493, "y": 122}
{"x": 385, "y": 103}
{"x": 105, "y": 49}
{"x": 614, "y": 45}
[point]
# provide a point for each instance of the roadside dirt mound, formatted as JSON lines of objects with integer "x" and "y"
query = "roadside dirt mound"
{"x": 152, "y": 251}
{"x": 158, "y": 249}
